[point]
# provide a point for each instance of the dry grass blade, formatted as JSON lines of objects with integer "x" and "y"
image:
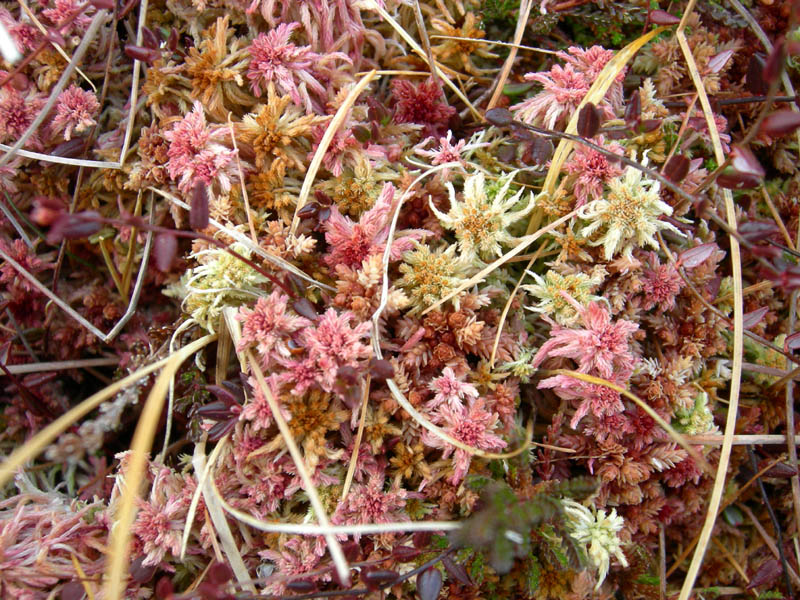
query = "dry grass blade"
{"x": 342, "y": 569}
{"x": 88, "y": 38}
{"x": 507, "y": 307}
{"x": 738, "y": 339}
{"x": 374, "y": 5}
{"x": 334, "y": 125}
{"x": 679, "y": 560}
{"x": 75, "y": 162}
{"x": 134, "y": 95}
{"x": 595, "y": 95}
{"x": 217, "y": 515}
{"x": 677, "y": 437}
{"x": 314, "y": 529}
{"x": 202, "y": 476}
{"x": 522, "y": 20}
{"x": 119, "y": 546}
{"x": 82, "y": 577}
{"x": 351, "y": 468}
{"x": 61, "y": 365}
{"x": 26, "y": 9}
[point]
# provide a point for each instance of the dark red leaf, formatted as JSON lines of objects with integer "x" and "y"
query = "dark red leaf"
{"x": 421, "y": 539}
{"x": 588, "y": 121}
{"x": 377, "y": 578}
{"x": 73, "y": 591}
{"x": 103, "y": 4}
{"x": 199, "y": 213}
{"x": 308, "y": 211}
{"x": 499, "y": 117}
{"x": 696, "y": 256}
{"x": 172, "y": 40}
{"x": 780, "y": 123}
{"x": 429, "y": 584}
{"x": 362, "y": 134}
{"x": 219, "y": 573}
{"x": 506, "y": 154}
{"x": 405, "y": 553}
{"x": 381, "y": 370}
{"x": 70, "y": 149}
{"x": 146, "y": 55}
{"x": 46, "y": 210}
{"x": 792, "y": 342}
{"x": 540, "y": 150}
{"x": 662, "y": 17}
{"x": 140, "y": 573}
{"x": 305, "y": 308}
{"x": 216, "y": 410}
{"x": 775, "y": 63}
{"x": 744, "y": 161}
{"x": 633, "y": 111}
{"x": 74, "y": 226}
{"x": 767, "y": 574}
{"x": 165, "y": 247}
{"x": 754, "y": 317}
{"x": 347, "y": 374}
{"x": 164, "y": 589}
{"x": 649, "y": 125}
{"x": 676, "y": 168}
{"x": 221, "y": 429}
{"x": 755, "y": 76}
{"x": 757, "y": 231}
{"x": 302, "y": 586}
{"x": 734, "y": 180}
{"x": 351, "y": 550}
{"x": 780, "y": 471}
{"x": 150, "y": 39}
{"x": 228, "y": 393}
{"x": 717, "y": 62}
{"x": 457, "y": 571}
{"x": 523, "y": 134}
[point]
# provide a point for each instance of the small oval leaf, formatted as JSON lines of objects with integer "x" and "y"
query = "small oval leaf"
{"x": 588, "y": 121}
{"x": 305, "y": 308}
{"x": 165, "y": 247}
{"x": 457, "y": 571}
{"x": 767, "y": 574}
{"x": 757, "y": 231}
{"x": 146, "y": 55}
{"x": 676, "y": 168}
{"x": 405, "y": 553}
{"x": 792, "y": 342}
{"x": 780, "y": 123}
{"x": 499, "y": 117}
{"x": 718, "y": 61}
{"x": 378, "y": 577}
{"x": 731, "y": 179}
{"x": 775, "y": 63}
{"x": 381, "y": 370}
{"x": 662, "y": 17}
{"x": 633, "y": 111}
{"x": 754, "y": 317}
{"x": 199, "y": 211}
{"x": 429, "y": 584}
{"x": 744, "y": 161}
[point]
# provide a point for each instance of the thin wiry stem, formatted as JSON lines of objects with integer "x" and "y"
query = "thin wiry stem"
{"x": 776, "y": 526}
